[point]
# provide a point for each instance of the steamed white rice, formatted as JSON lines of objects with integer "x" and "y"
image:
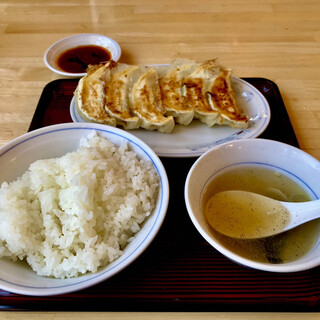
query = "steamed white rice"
{"x": 71, "y": 215}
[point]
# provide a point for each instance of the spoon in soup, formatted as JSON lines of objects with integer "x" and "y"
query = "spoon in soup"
{"x": 247, "y": 215}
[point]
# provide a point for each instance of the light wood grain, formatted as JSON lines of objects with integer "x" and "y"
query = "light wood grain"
{"x": 278, "y": 40}
{"x": 274, "y": 39}
{"x": 157, "y": 316}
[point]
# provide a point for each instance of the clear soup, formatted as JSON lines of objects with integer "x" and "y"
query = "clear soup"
{"x": 282, "y": 248}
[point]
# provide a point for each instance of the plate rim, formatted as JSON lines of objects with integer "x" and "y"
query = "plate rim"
{"x": 188, "y": 153}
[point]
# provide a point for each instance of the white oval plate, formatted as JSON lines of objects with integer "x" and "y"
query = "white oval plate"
{"x": 197, "y": 138}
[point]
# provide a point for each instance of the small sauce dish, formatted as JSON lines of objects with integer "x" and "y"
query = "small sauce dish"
{"x": 70, "y": 56}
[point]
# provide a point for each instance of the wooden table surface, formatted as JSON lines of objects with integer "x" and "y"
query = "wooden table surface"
{"x": 274, "y": 39}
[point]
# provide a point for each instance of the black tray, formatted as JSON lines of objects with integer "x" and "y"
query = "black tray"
{"x": 180, "y": 271}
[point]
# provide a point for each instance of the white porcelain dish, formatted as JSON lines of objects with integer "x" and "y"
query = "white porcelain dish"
{"x": 283, "y": 158}
{"x": 55, "y": 141}
{"x": 62, "y": 45}
{"x": 197, "y": 138}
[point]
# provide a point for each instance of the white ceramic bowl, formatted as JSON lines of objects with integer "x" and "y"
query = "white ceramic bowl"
{"x": 55, "y": 141}
{"x": 286, "y": 159}
{"x": 62, "y": 45}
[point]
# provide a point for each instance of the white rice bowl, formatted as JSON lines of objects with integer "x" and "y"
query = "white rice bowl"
{"x": 78, "y": 215}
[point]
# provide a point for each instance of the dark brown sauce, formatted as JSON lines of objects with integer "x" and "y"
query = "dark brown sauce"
{"x": 76, "y": 60}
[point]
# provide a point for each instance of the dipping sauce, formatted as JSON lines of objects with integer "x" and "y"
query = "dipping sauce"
{"x": 76, "y": 60}
{"x": 281, "y": 248}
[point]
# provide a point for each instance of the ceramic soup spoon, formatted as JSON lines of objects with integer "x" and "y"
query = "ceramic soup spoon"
{"x": 247, "y": 215}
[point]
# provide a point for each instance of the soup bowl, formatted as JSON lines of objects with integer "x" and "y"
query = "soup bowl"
{"x": 281, "y": 158}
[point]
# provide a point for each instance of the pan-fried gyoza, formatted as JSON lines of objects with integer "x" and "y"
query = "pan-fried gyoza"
{"x": 156, "y": 98}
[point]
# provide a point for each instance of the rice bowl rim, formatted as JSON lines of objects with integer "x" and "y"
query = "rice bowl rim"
{"x": 127, "y": 257}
